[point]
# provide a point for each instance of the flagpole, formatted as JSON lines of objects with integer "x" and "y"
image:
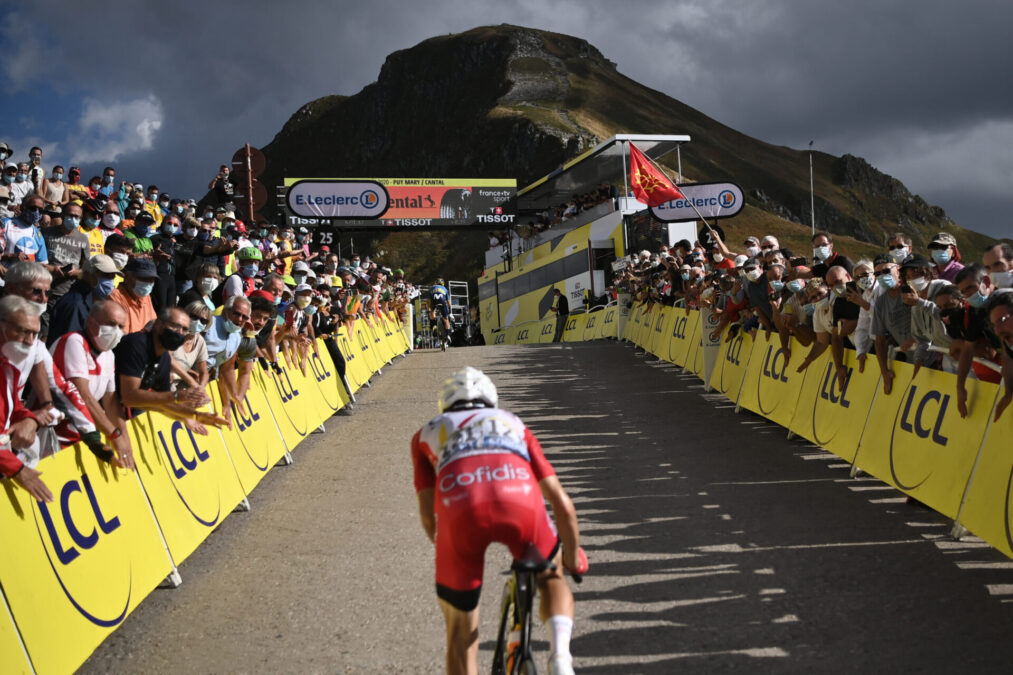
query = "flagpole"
{"x": 689, "y": 201}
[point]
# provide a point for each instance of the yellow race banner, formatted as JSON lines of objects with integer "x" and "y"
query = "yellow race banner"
{"x": 75, "y": 568}
{"x": 833, "y": 415}
{"x": 575, "y": 326}
{"x": 772, "y": 384}
{"x": 733, "y": 360}
{"x": 680, "y": 339}
{"x": 188, "y": 477}
{"x": 15, "y": 659}
{"x": 916, "y": 440}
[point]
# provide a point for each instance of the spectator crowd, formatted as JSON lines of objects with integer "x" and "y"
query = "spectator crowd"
{"x": 118, "y": 299}
{"x": 932, "y": 308}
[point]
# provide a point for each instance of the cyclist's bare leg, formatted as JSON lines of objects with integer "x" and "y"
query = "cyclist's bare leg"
{"x": 462, "y": 639}
{"x": 554, "y": 594}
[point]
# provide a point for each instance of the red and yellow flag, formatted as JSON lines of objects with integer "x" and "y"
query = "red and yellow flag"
{"x": 650, "y": 185}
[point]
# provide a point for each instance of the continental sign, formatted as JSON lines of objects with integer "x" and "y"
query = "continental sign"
{"x": 401, "y": 203}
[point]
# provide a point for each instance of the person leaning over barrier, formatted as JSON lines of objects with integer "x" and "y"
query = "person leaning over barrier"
{"x": 891, "y": 320}
{"x": 190, "y": 361}
{"x": 19, "y": 322}
{"x": 864, "y": 295}
{"x": 845, "y": 318}
{"x": 134, "y": 293}
{"x": 970, "y": 330}
{"x": 927, "y": 328}
{"x": 86, "y": 359}
{"x": 143, "y": 367}
{"x": 1000, "y": 316}
{"x": 223, "y": 338}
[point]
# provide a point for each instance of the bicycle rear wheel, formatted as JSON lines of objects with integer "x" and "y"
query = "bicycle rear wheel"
{"x": 502, "y": 658}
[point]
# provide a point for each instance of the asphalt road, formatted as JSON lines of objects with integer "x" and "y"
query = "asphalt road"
{"x": 715, "y": 543}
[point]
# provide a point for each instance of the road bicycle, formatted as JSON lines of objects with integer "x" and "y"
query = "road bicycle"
{"x": 516, "y": 658}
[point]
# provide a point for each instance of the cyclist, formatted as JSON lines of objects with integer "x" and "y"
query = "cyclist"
{"x": 480, "y": 476}
{"x": 440, "y": 298}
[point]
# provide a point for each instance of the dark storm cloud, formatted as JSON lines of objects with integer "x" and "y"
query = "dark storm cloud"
{"x": 895, "y": 82}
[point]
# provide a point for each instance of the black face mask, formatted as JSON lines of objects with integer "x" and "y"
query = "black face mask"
{"x": 171, "y": 340}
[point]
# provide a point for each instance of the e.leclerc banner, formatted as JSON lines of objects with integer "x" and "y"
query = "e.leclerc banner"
{"x": 411, "y": 203}
{"x": 713, "y": 200}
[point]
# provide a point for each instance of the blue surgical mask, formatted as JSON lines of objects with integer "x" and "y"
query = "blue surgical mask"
{"x": 57, "y": 176}
{"x": 978, "y": 300}
{"x": 70, "y": 223}
{"x": 796, "y": 285}
{"x": 821, "y": 252}
{"x": 249, "y": 271}
{"x": 208, "y": 215}
{"x": 230, "y": 327}
{"x": 887, "y": 281}
{"x": 277, "y": 300}
{"x": 777, "y": 285}
{"x": 143, "y": 288}
{"x": 263, "y": 233}
{"x": 685, "y": 276}
{"x": 8, "y": 178}
{"x": 311, "y": 310}
{"x": 299, "y": 278}
{"x": 32, "y": 216}
{"x": 197, "y": 326}
{"x": 105, "y": 287}
{"x": 90, "y": 223}
{"x": 941, "y": 257}
{"x": 203, "y": 235}
{"x": 809, "y": 308}
{"x": 179, "y": 209}
{"x": 22, "y": 177}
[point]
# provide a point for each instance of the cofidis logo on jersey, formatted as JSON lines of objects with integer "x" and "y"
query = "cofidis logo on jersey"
{"x": 73, "y": 531}
{"x": 337, "y": 199}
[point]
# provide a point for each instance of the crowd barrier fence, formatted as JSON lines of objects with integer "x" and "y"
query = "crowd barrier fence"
{"x": 913, "y": 438}
{"x": 71, "y": 571}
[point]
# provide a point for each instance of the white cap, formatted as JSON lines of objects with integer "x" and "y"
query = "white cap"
{"x": 740, "y": 260}
{"x": 303, "y": 287}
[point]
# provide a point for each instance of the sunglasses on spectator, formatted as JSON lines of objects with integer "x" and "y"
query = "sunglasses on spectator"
{"x": 40, "y": 293}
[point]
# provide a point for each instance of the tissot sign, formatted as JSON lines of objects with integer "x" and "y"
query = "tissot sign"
{"x": 402, "y": 203}
{"x": 713, "y": 200}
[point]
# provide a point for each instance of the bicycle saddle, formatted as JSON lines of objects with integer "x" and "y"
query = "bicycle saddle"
{"x": 531, "y": 561}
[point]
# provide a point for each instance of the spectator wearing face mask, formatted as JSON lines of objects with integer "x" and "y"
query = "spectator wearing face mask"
{"x": 22, "y": 239}
{"x": 21, "y": 187}
{"x": 221, "y": 186}
{"x": 111, "y": 222}
{"x": 53, "y": 189}
{"x": 243, "y": 282}
{"x": 144, "y": 368}
{"x": 134, "y": 293}
{"x": 5, "y": 152}
{"x": 74, "y": 186}
{"x": 51, "y": 396}
{"x": 151, "y": 204}
{"x": 898, "y": 245}
{"x": 91, "y": 218}
{"x": 998, "y": 260}
{"x": 120, "y": 249}
{"x": 97, "y": 282}
{"x": 141, "y": 233}
{"x": 927, "y": 327}
{"x": 5, "y": 208}
{"x": 69, "y": 249}
{"x": 1000, "y": 318}
{"x": 864, "y": 296}
{"x": 223, "y": 337}
{"x": 86, "y": 360}
{"x": 891, "y": 319}
{"x": 970, "y": 331}
{"x": 190, "y": 361}
{"x": 18, "y": 323}
{"x": 946, "y": 256}
{"x": 825, "y": 257}
{"x": 108, "y": 189}
{"x": 205, "y": 284}
{"x": 163, "y": 252}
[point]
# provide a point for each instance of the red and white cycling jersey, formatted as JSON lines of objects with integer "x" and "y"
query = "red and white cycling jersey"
{"x": 468, "y": 433}
{"x": 484, "y": 465}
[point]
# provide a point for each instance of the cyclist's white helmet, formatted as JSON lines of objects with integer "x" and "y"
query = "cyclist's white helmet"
{"x": 467, "y": 388}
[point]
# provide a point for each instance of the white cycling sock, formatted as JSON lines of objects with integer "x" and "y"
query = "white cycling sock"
{"x": 559, "y": 626}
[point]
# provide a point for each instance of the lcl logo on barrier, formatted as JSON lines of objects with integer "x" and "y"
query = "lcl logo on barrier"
{"x": 318, "y": 367}
{"x": 548, "y": 329}
{"x": 775, "y": 367}
{"x": 591, "y": 320}
{"x": 244, "y": 422}
{"x": 923, "y": 414}
{"x": 67, "y": 553}
{"x": 499, "y": 339}
{"x": 346, "y": 349}
{"x": 659, "y": 325}
{"x": 522, "y": 334}
{"x": 187, "y": 465}
{"x": 734, "y": 353}
{"x": 679, "y": 329}
{"x": 363, "y": 343}
{"x": 571, "y": 324}
{"x": 610, "y": 316}
{"x": 828, "y": 388}
{"x": 285, "y": 389}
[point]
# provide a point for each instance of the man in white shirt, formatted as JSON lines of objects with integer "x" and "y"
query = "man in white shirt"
{"x": 86, "y": 359}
